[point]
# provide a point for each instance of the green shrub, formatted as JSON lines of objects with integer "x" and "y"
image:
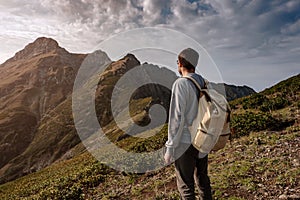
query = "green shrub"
{"x": 265, "y": 104}
{"x": 243, "y": 124}
{"x": 274, "y": 104}
{"x": 254, "y": 101}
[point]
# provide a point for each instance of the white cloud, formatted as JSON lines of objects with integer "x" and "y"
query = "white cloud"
{"x": 154, "y": 12}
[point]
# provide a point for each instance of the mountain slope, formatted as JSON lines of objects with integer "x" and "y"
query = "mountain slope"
{"x": 33, "y": 82}
{"x": 274, "y": 108}
{"x": 45, "y": 76}
{"x": 144, "y": 96}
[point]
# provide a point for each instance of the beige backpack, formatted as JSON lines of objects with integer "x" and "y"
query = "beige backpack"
{"x": 211, "y": 128}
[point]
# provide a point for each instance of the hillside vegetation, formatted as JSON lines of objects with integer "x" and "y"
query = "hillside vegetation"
{"x": 263, "y": 165}
{"x": 272, "y": 109}
{"x": 261, "y": 161}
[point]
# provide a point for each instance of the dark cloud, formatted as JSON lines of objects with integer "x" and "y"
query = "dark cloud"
{"x": 243, "y": 32}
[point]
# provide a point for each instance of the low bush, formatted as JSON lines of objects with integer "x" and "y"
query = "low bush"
{"x": 243, "y": 124}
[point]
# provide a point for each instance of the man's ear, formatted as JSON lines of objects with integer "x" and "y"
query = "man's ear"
{"x": 180, "y": 65}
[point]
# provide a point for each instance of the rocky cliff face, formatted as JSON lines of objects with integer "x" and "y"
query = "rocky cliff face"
{"x": 39, "y": 77}
{"x": 36, "y": 124}
{"x": 33, "y": 82}
{"x": 106, "y": 84}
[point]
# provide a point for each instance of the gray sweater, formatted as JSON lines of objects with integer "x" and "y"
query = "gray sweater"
{"x": 183, "y": 110}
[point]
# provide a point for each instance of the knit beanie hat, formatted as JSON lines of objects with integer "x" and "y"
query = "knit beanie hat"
{"x": 190, "y": 55}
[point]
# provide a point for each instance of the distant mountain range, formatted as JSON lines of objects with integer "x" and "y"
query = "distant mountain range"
{"x": 36, "y": 122}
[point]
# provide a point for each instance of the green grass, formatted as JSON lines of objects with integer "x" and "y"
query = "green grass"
{"x": 238, "y": 167}
{"x": 243, "y": 168}
{"x": 65, "y": 180}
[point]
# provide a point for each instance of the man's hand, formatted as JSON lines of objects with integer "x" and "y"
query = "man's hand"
{"x": 168, "y": 158}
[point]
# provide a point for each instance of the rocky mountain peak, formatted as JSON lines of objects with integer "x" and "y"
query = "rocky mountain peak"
{"x": 41, "y": 45}
{"x": 131, "y": 58}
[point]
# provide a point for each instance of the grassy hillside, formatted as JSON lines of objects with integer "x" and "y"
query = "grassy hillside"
{"x": 281, "y": 95}
{"x": 272, "y": 109}
{"x": 261, "y": 162}
{"x": 262, "y": 165}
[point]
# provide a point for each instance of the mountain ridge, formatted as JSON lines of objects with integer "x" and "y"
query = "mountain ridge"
{"x": 41, "y": 45}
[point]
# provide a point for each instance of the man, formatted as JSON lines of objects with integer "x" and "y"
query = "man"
{"x": 190, "y": 164}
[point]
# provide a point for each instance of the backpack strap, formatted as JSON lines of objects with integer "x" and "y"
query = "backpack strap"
{"x": 194, "y": 81}
{"x": 206, "y": 82}
{"x": 202, "y": 91}
{"x": 205, "y": 92}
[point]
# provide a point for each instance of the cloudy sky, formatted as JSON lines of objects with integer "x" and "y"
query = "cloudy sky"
{"x": 253, "y": 42}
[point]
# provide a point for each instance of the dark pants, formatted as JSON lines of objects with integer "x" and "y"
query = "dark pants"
{"x": 190, "y": 169}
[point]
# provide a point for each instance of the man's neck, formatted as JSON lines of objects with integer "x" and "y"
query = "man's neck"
{"x": 185, "y": 73}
